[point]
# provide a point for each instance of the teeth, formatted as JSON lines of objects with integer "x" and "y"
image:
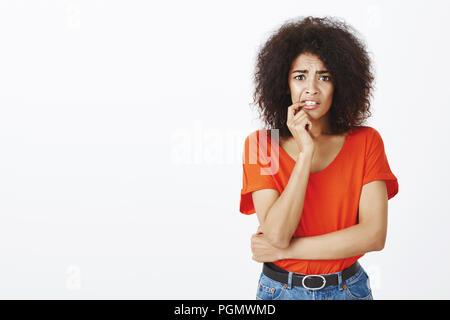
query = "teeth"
{"x": 310, "y": 103}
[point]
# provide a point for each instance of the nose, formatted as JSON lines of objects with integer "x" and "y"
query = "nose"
{"x": 311, "y": 90}
{"x": 311, "y": 87}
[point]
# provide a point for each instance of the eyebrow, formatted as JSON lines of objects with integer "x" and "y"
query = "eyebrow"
{"x": 306, "y": 71}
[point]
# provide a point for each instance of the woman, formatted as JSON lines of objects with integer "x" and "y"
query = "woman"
{"x": 318, "y": 179}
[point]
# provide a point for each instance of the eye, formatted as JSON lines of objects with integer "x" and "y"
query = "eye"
{"x": 301, "y": 75}
{"x": 327, "y": 78}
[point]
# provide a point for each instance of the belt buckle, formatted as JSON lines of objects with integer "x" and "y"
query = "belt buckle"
{"x": 314, "y": 275}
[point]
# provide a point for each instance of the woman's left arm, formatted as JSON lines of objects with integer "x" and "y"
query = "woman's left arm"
{"x": 368, "y": 235}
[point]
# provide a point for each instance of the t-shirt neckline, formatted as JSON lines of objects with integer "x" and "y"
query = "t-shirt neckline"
{"x": 336, "y": 159}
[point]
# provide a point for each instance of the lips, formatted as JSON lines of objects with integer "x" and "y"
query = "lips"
{"x": 310, "y": 104}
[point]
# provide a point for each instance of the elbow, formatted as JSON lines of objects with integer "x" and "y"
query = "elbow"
{"x": 376, "y": 246}
{"x": 279, "y": 241}
{"x": 281, "y": 244}
{"x": 378, "y": 241}
{"x": 379, "y": 245}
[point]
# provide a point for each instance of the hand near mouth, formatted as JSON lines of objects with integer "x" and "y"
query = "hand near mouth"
{"x": 300, "y": 126}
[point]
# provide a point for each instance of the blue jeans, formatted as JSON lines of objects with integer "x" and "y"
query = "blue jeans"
{"x": 357, "y": 287}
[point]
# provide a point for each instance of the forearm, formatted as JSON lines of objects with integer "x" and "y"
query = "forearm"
{"x": 284, "y": 215}
{"x": 345, "y": 243}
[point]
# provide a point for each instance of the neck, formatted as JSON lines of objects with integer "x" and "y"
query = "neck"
{"x": 320, "y": 128}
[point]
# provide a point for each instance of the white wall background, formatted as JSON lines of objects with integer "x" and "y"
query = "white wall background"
{"x": 121, "y": 134}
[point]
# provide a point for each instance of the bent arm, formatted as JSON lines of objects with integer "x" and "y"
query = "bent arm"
{"x": 279, "y": 223}
{"x": 345, "y": 243}
{"x": 368, "y": 235}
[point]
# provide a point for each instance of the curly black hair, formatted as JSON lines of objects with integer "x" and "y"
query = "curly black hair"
{"x": 342, "y": 52}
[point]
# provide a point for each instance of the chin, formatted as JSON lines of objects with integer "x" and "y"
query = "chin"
{"x": 315, "y": 113}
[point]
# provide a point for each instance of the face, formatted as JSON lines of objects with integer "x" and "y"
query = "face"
{"x": 310, "y": 80}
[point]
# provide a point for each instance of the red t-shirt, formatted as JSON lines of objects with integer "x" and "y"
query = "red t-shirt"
{"x": 332, "y": 195}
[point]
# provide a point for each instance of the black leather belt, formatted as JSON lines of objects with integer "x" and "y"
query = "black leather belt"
{"x": 312, "y": 282}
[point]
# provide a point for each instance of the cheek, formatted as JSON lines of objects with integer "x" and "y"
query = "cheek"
{"x": 328, "y": 93}
{"x": 296, "y": 92}
{"x": 296, "y": 87}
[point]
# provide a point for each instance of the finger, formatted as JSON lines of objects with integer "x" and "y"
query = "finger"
{"x": 308, "y": 125}
{"x": 303, "y": 123}
{"x": 302, "y": 113}
{"x": 293, "y": 109}
{"x": 300, "y": 120}
{"x": 297, "y": 109}
{"x": 299, "y": 114}
{"x": 300, "y": 117}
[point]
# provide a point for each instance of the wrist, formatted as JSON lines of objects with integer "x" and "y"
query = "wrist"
{"x": 305, "y": 155}
{"x": 307, "y": 152}
{"x": 284, "y": 253}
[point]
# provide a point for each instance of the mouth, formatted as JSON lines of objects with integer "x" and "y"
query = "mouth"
{"x": 310, "y": 104}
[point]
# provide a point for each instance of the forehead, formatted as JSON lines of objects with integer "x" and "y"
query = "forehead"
{"x": 307, "y": 60}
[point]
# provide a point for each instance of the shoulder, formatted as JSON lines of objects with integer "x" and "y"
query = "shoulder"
{"x": 372, "y": 140}
{"x": 367, "y": 132}
{"x": 362, "y": 129}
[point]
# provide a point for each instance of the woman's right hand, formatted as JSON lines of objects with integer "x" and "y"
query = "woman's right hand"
{"x": 299, "y": 125}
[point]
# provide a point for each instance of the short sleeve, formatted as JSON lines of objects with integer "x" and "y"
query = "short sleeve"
{"x": 257, "y": 173}
{"x": 376, "y": 166}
